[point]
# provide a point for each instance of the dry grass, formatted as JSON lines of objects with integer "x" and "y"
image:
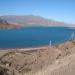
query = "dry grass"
{"x": 40, "y": 61}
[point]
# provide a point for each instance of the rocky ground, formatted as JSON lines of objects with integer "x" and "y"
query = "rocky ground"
{"x": 55, "y": 60}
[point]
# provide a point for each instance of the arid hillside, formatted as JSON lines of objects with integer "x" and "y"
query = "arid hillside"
{"x": 31, "y": 20}
{"x": 8, "y": 26}
{"x": 54, "y": 60}
{"x": 5, "y": 24}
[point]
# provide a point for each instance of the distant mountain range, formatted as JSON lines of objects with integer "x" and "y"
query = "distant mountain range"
{"x": 28, "y": 20}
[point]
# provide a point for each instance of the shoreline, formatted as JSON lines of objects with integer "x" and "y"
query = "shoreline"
{"x": 28, "y": 47}
{"x": 25, "y": 49}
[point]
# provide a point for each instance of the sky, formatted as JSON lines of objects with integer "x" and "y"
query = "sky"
{"x": 61, "y": 10}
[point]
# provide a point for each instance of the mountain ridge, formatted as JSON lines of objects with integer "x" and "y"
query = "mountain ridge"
{"x": 31, "y": 20}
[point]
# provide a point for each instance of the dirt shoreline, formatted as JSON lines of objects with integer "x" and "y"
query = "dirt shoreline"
{"x": 25, "y": 49}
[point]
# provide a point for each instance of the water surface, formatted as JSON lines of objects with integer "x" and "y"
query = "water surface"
{"x": 33, "y": 36}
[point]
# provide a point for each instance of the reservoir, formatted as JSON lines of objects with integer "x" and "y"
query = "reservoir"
{"x": 34, "y": 36}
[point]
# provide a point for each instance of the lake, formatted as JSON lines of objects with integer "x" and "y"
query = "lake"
{"x": 33, "y": 36}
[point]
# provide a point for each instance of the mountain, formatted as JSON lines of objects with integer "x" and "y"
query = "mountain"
{"x": 5, "y": 24}
{"x": 31, "y": 20}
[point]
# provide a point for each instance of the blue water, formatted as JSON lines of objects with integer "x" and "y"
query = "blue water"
{"x": 33, "y": 36}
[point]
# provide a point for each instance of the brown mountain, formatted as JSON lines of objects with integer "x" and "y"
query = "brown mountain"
{"x": 5, "y": 24}
{"x": 29, "y": 20}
